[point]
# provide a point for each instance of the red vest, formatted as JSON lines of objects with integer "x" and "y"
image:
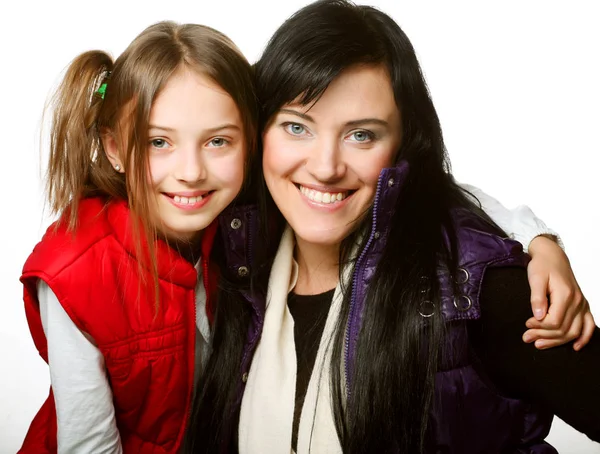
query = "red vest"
{"x": 148, "y": 352}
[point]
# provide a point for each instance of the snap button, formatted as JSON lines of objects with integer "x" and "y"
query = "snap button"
{"x": 377, "y": 235}
{"x": 463, "y": 303}
{"x": 236, "y": 224}
{"x": 245, "y": 377}
{"x": 426, "y": 309}
{"x": 391, "y": 182}
{"x": 463, "y": 276}
{"x": 243, "y": 271}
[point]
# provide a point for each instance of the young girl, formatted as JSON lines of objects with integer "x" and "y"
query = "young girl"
{"x": 146, "y": 152}
{"x": 395, "y": 307}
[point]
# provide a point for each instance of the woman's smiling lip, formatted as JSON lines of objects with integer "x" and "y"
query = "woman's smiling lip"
{"x": 330, "y": 189}
{"x": 328, "y": 200}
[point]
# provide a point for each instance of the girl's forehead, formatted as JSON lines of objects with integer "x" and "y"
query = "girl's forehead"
{"x": 192, "y": 99}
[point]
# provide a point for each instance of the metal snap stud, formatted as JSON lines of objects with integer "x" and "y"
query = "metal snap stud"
{"x": 426, "y": 309}
{"x": 463, "y": 276}
{"x": 236, "y": 224}
{"x": 377, "y": 235}
{"x": 243, "y": 271}
{"x": 463, "y": 303}
{"x": 245, "y": 377}
{"x": 391, "y": 182}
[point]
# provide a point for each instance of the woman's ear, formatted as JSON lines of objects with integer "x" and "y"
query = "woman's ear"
{"x": 111, "y": 149}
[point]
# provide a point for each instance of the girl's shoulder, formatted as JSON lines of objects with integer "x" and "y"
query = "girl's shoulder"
{"x": 62, "y": 246}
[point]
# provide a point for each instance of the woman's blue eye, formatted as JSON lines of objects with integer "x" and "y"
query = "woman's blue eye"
{"x": 159, "y": 143}
{"x": 362, "y": 136}
{"x": 218, "y": 142}
{"x": 295, "y": 128}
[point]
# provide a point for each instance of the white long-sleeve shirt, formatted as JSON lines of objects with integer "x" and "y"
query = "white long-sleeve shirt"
{"x": 82, "y": 394}
{"x": 84, "y": 405}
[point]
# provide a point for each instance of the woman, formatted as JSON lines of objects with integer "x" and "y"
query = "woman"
{"x": 394, "y": 305}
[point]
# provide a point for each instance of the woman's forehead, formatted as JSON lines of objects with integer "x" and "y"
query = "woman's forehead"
{"x": 360, "y": 91}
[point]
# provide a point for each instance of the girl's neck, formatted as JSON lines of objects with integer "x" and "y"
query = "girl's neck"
{"x": 188, "y": 248}
{"x": 318, "y": 267}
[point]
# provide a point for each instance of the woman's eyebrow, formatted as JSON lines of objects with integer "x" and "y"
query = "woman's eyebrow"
{"x": 298, "y": 114}
{"x": 364, "y": 121}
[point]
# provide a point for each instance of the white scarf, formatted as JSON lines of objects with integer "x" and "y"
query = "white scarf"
{"x": 267, "y": 411}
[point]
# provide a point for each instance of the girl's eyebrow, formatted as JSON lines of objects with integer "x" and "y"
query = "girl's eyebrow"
{"x": 352, "y": 123}
{"x": 210, "y": 130}
{"x": 162, "y": 128}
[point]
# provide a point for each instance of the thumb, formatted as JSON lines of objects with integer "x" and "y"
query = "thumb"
{"x": 539, "y": 299}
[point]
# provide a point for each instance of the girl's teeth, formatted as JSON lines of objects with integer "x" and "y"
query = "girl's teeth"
{"x": 187, "y": 200}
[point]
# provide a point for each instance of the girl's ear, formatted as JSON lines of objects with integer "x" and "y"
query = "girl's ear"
{"x": 112, "y": 150}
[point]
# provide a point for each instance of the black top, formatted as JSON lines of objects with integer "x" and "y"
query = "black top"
{"x": 310, "y": 314}
{"x": 565, "y": 381}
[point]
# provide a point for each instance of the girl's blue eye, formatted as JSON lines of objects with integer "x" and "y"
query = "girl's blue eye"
{"x": 294, "y": 128}
{"x": 159, "y": 143}
{"x": 218, "y": 142}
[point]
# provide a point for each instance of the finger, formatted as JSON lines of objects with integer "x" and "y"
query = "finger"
{"x": 533, "y": 335}
{"x": 545, "y": 344}
{"x": 533, "y": 323}
{"x": 557, "y": 317}
{"x": 589, "y": 326}
{"x": 563, "y": 308}
{"x": 539, "y": 299}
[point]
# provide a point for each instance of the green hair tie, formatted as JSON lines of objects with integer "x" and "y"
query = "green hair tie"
{"x": 102, "y": 90}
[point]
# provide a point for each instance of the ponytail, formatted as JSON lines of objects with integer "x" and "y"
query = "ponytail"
{"x": 74, "y": 136}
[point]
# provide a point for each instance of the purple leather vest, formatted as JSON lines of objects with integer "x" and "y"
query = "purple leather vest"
{"x": 468, "y": 415}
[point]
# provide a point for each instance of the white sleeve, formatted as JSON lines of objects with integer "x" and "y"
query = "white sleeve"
{"x": 519, "y": 223}
{"x": 84, "y": 405}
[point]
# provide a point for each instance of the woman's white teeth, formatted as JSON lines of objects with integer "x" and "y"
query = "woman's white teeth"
{"x": 187, "y": 200}
{"x": 323, "y": 197}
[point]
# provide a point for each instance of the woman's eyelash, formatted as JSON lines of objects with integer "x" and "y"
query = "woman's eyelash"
{"x": 290, "y": 125}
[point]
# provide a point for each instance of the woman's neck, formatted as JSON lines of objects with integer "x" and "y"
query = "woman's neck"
{"x": 318, "y": 267}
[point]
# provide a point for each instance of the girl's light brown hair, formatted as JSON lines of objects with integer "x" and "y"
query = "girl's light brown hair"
{"x": 78, "y": 166}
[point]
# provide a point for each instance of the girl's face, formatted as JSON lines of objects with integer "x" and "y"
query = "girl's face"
{"x": 321, "y": 162}
{"x": 196, "y": 153}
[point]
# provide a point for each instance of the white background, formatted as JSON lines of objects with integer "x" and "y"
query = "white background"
{"x": 516, "y": 85}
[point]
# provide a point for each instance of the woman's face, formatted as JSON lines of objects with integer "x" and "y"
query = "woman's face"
{"x": 321, "y": 162}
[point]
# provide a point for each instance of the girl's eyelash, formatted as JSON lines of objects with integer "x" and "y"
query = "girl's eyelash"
{"x": 223, "y": 139}
{"x": 164, "y": 142}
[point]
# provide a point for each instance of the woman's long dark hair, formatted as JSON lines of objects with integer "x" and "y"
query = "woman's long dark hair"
{"x": 398, "y": 349}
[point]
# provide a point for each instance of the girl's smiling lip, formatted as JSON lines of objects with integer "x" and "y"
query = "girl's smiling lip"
{"x": 188, "y": 200}
{"x": 187, "y": 193}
